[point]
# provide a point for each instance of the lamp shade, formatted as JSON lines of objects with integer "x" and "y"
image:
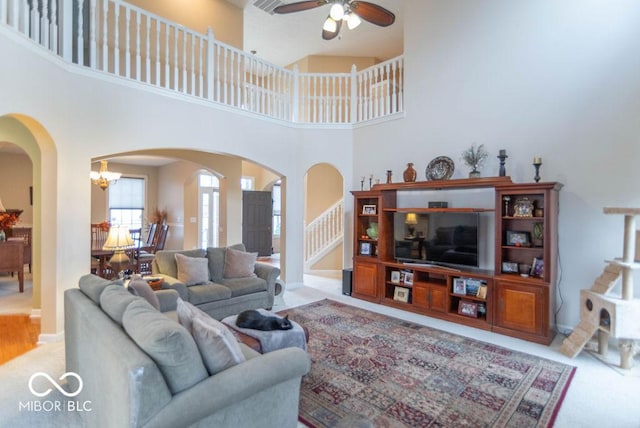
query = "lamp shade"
{"x": 330, "y": 25}
{"x": 411, "y": 219}
{"x": 337, "y": 11}
{"x": 119, "y": 238}
{"x": 353, "y": 21}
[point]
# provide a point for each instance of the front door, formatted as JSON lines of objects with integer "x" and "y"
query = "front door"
{"x": 257, "y": 218}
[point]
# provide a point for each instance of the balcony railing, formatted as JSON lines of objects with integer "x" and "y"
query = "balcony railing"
{"x": 115, "y": 37}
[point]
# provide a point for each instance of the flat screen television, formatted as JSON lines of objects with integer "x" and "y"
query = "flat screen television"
{"x": 443, "y": 238}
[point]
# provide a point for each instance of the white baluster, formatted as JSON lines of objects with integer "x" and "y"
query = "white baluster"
{"x": 138, "y": 48}
{"x": 158, "y": 28}
{"x": 105, "y": 33}
{"x": 44, "y": 24}
{"x": 193, "y": 65}
{"x": 167, "y": 53}
{"x": 147, "y": 51}
{"x": 127, "y": 41}
{"x": 80, "y": 36}
{"x": 184, "y": 62}
{"x": 210, "y": 63}
{"x": 176, "y": 76}
{"x": 116, "y": 40}
{"x": 225, "y": 76}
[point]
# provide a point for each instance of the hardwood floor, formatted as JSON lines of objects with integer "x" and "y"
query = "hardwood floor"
{"x": 18, "y": 334}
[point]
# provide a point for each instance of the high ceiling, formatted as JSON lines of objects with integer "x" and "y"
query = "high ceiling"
{"x": 284, "y": 39}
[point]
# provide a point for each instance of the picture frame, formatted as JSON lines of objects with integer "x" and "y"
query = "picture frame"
{"x": 369, "y": 209}
{"x": 482, "y": 292}
{"x": 408, "y": 278}
{"x": 523, "y": 207}
{"x": 518, "y": 238}
{"x": 366, "y": 249}
{"x": 460, "y": 286}
{"x": 509, "y": 267}
{"x": 468, "y": 309}
{"x": 395, "y": 277}
{"x": 401, "y": 294}
{"x": 537, "y": 267}
{"x": 472, "y": 286}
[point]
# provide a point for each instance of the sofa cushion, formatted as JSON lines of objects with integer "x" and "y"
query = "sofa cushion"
{"x": 139, "y": 286}
{"x": 166, "y": 260}
{"x": 93, "y": 286}
{"x": 114, "y": 301}
{"x": 216, "y": 256}
{"x": 239, "y": 264}
{"x": 218, "y": 347}
{"x": 168, "y": 343}
{"x": 210, "y": 292}
{"x": 192, "y": 270}
{"x": 242, "y": 286}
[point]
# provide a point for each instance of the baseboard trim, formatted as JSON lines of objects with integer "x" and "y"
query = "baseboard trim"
{"x": 35, "y": 313}
{"x": 50, "y": 338}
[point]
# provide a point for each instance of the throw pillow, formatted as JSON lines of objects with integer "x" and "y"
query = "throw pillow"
{"x": 114, "y": 301}
{"x": 168, "y": 343}
{"x": 138, "y": 286}
{"x": 218, "y": 347}
{"x": 93, "y": 286}
{"x": 239, "y": 264}
{"x": 192, "y": 270}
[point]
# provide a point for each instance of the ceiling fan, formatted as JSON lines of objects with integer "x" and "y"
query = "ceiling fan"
{"x": 342, "y": 10}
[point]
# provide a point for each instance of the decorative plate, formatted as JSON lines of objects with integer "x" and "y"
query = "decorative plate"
{"x": 440, "y": 168}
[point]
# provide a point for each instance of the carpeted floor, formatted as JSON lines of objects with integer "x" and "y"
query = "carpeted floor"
{"x": 393, "y": 373}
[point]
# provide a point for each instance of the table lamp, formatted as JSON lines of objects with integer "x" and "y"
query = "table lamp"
{"x": 411, "y": 220}
{"x": 117, "y": 241}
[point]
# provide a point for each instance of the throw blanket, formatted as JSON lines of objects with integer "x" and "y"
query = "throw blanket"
{"x": 272, "y": 340}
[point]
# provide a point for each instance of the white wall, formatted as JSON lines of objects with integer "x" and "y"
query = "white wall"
{"x": 89, "y": 115}
{"x": 557, "y": 79}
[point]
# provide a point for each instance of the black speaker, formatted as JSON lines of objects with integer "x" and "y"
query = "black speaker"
{"x": 347, "y": 275}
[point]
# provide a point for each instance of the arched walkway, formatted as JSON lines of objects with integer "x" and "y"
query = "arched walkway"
{"x": 34, "y": 139}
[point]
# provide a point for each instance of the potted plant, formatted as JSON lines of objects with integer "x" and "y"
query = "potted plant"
{"x": 474, "y": 157}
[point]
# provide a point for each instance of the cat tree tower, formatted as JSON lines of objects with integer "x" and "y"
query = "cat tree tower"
{"x": 606, "y": 313}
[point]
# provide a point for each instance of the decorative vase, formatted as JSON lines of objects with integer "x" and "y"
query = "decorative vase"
{"x": 372, "y": 231}
{"x": 474, "y": 173}
{"x": 409, "y": 174}
{"x": 3, "y": 236}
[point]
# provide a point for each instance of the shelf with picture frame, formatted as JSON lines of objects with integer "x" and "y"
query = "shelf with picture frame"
{"x": 517, "y": 301}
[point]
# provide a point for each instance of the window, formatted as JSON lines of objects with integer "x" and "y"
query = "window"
{"x": 247, "y": 183}
{"x": 126, "y": 202}
{"x": 209, "y": 190}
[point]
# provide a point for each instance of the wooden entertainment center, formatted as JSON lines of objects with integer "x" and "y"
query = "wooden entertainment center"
{"x": 515, "y": 296}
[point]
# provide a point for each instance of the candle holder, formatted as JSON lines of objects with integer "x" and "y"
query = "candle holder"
{"x": 362, "y": 183}
{"x": 389, "y": 176}
{"x": 537, "y": 162}
{"x": 502, "y": 156}
{"x": 370, "y": 181}
{"x": 506, "y": 200}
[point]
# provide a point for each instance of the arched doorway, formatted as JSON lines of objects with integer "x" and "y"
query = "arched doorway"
{"x": 324, "y": 218}
{"x": 28, "y": 134}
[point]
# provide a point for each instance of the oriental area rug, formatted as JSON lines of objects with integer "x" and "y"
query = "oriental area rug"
{"x": 371, "y": 370}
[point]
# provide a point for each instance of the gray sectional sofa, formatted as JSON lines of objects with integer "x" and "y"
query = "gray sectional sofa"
{"x": 135, "y": 374}
{"x": 218, "y": 296}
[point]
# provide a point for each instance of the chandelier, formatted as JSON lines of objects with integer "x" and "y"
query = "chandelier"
{"x": 104, "y": 177}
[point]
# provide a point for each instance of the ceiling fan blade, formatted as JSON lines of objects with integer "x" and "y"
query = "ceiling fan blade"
{"x": 300, "y": 6}
{"x": 328, "y": 35}
{"x": 373, "y": 13}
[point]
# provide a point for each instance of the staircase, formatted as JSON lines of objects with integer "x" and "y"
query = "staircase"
{"x": 323, "y": 234}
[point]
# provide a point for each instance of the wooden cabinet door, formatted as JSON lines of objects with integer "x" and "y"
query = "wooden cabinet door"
{"x": 365, "y": 279}
{"x": 520, "y": 307}
{"x": 439, "y": 298}
{"x": 421, "y": 297}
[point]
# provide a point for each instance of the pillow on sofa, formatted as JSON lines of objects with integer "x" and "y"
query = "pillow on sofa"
{"x": 192, "y": 270}
{"x": 216, "y": 260}
{"x": 138, "y": 286}
{"x": 93, "y": 286}
{"x": 168, "y": 343}
{"x": 239, "y": 264}
{"x": 218, "y": 347}
{"x": 114, "y": 301}
{"x": 165, "y": 260}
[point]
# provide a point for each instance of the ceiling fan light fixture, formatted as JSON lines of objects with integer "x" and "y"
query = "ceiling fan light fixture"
{"x": 353, "y": 21}
{"x": 330, "y": 25}
{"x": 337, "y": 11}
